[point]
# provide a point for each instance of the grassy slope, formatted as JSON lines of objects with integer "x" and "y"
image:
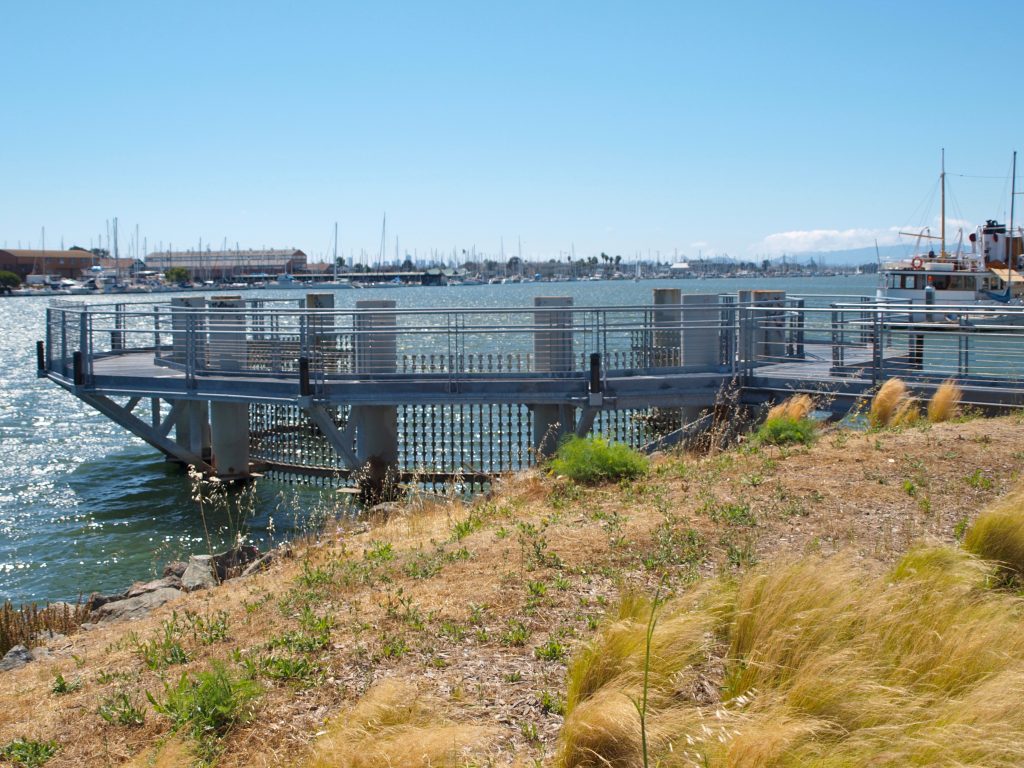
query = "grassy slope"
{"x": 477, "y": 608}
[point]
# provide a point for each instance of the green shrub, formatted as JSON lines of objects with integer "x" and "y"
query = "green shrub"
{"x": 785, "y": 430}
{"x": 592, "y": 460}
{"x": 9, "y": 279}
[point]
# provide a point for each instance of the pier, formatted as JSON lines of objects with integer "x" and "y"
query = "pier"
{"x": 237, "y": 385}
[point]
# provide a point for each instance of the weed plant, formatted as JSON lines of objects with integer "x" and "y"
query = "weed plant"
{"x": 25, "y": 753}
{"x": 21, "y": 626}
{"x": 593, "y": 460}
{"x": 209, "y": 705}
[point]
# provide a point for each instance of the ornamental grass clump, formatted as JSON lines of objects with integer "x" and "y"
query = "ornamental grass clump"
{"x": 394, "y": 725}
{"x": 813, "y": 662}
{"x": 593, "y": 460}
{"x": 787, "y": 423}
{"x": 887, "y": 403}
{"x": 998, "y": 535}
{"x": 945, "y": 402}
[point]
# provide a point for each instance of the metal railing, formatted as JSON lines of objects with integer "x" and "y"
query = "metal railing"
{"x": 781, "y": 338}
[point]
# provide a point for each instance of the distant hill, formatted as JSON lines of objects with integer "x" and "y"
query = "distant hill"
{"x": 851, "y": 255}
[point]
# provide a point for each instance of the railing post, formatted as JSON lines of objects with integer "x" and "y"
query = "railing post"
{"x": 40, "y": 359}
{"x": 801, "y": 319}
{"x": 305, "y": 389}
{"x": 77, "y": 368}
{"x": 837, "y": 340}
{"x": 877, "y": 349}
{"x": 595, "y": 373}
{"x": 83, "y": 343}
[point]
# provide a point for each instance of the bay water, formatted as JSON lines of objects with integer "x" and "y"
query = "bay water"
{"x": 85, "y": 506}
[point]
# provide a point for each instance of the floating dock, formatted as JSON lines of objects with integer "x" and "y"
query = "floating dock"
{"x": 235, "y": 385}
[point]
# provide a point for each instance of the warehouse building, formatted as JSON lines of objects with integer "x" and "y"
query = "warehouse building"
{"x": 24, "y": 262}
{"x": 216, "y": 265}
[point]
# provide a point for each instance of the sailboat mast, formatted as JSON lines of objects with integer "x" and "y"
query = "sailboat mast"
{"x": 1009, "y": 242}
{"x": 335, "y": 251}
{"x": 942, "y": 178}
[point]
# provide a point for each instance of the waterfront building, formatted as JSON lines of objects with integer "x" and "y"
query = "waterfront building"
{"x": 215, "y": 265}
{"x": 24, "y": 262}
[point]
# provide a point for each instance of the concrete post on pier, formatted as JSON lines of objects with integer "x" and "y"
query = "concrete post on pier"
{"x": 229, "y": 422}
{"x": 376, "y": 352}
{"x": 768, "y": 334}
{"x": 186, "y": 315}
{"x": 552, "y": 353}
{"x": 667, "y": 336}
{"x": 701, "y": 337}
{"x": 320, "y": 330}
{"x": 192, "y": 427}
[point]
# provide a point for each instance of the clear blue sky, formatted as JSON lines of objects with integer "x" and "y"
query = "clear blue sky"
{"x": 621, "y": 127}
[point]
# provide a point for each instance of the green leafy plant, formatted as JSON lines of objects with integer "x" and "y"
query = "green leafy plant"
{"x": 786, "y": 430}
{"x": 62, "y": 686}
{"x": 593, "y": 460}
{"x": 25, "y": 753}
{"x": 209, "y": 705}
{"x": 122, "y": 708}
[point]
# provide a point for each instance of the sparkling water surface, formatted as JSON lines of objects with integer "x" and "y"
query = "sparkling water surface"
{"x": 85, "y": 506}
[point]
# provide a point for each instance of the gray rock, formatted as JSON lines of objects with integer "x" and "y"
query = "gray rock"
{"x": 96, "y": 600}
{"x": 231, "y": 563}
{"x": 141, "y": 588}
{"x": 135, "y": 607}
{"x": 40, "y": 654}
{"x": 49, "y": 636}
{"x": 17, "y": 657}
{"x": 200, "y": 573}
{"x": 175, "y": 568}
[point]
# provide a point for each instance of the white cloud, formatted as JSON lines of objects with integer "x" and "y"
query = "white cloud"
{"x": 805, "y": 240}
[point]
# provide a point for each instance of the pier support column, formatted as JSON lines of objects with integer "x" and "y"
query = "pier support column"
{"x": 229, "y": 422}
{"x": 552, "y": 353}
{"x": 376, "y": 352}
{"x": 192, "y": 427}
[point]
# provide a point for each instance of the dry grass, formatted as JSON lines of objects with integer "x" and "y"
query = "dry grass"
{"x": 393, "y": 725}
{"x": 945, "y": 402}
{"x": 818, "y": 662}
{"x": 998, "y": 534}
{"x": 907, "y": 413}
{"x": 887, "y": 402}
{"x": 796, "y": 408}
{"x": 23, "y": 625}
{"x": 446, "y": 577}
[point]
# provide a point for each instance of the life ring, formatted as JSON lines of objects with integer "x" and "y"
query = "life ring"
{"x": 917, "y": 262}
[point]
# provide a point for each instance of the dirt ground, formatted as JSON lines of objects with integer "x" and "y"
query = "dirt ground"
{"x": 481, "y": 605}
